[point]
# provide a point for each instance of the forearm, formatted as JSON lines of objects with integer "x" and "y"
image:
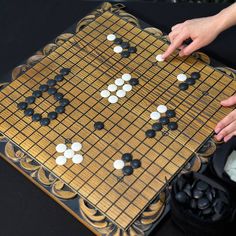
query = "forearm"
{"x": 226, "y": 18}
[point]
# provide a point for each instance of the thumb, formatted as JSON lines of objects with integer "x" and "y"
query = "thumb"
{"x": 229, "y": 102}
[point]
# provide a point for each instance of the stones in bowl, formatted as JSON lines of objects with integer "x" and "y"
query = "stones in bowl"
{"x": 200, "y": 199}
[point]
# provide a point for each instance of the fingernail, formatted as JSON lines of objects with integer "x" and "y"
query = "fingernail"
{"x": 219, "y": 137}
{"x": 226, "y": 140}
{"x": 217, "y": 130}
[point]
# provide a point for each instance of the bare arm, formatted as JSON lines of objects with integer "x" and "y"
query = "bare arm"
{"x": 202, "y": 31}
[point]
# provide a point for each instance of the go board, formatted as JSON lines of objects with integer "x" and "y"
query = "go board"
{"x": 93, "y": 65}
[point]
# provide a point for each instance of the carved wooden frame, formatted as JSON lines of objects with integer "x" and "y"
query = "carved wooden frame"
{"x": 62, "y": 194}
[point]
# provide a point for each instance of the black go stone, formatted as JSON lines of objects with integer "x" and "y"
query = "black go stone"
{"x": 37, "y": 94}
{"x": 51, "y": 82}
{"x": 22, "y": 105}
{"x": 127, "y": 157}
{"x": 98, "y": 125}
{"x": 216, "y": 217}
{"x": 132, "y": 49}
{"x": 197, "y": 193}
{"x": 36, "y": 117}
{"x": 125, "y": 54}
{"x": 170, "y": 113}
{"x": 125, "y": 45}
{"x": 202, "y": 186}
{"x": 218, "y": 206}
{"x": 64, "y": 102}
{"x": 29, "y": 112}
{"x": 59, "y": 78}
{"x": 187, "y": 190}
{"x": 190, "y": 81}
{"x": 181, "y": 182}
{"x": 30, "y": 99}
{"x": 128, "y": 170}
{"x": 134, "y": 82}
{"x": 60, "y": 109}
{"x": 58, "y": 96}
{"x": 164, "y": 120}
{"x": 207, "y": 211}
{"x": 118, "y": 41}
{"x": 65, "y": 71}
{"x": 52, "y": 91}
{"x": 183, "y": 86}
{"x": 193, "y": 204}
{"x": 52, "y": 115}
{"x": 172, "y": 126}
{"x": 195, "y": 75}
{"x": 43, "y": 88}
{"x": 203, "y": 203}
{"x": 135, "y": 163}
{"x": 181, "y": 197}
{"x": 44, "y": 121}
{"x": 150, "y": 133}
{"x": 209, "y": 195}
{"x": 213, "y": 191}
{"x": 157, "y": 126}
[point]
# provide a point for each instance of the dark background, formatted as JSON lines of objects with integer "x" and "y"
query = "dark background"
{"x": 26, "y": 26}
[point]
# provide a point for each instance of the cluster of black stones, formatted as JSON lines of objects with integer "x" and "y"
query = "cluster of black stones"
{"x": 200, "y": 199}
{"x": 165, "y": 120}
{"x": 133, "y": 164}
{"x": 127, "y": 49}
{"x": 49, "y": 87}
{"x": 189, "y": 81}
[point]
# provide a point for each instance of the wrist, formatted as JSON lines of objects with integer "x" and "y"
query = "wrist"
{"x": 225, "y": 18}
{"x": 220, "y": 22}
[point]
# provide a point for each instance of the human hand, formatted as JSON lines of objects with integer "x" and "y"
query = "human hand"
{"x": 202, "y": 31}
{"x": 226, "y": 128}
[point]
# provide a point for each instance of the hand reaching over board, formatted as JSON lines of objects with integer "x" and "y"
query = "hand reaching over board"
{"x": 201, "y": 31}
{"x": 197, "y": 30}
{"x": 226, "y": 128}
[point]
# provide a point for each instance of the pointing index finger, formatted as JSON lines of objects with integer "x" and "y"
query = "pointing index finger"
{"x": 177, "y": 42}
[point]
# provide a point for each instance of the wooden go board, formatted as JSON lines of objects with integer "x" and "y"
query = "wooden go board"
{"x": 94, "y": 65}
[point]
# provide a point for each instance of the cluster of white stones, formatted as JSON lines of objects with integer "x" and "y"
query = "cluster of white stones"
{"x": 116, "y": 49}
{"x": 155, "y": 115}
{"x": 69, "y": 153}
{"x": 118, "y": 89}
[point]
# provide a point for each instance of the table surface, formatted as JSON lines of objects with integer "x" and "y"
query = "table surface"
{"x": 27, "y": 26}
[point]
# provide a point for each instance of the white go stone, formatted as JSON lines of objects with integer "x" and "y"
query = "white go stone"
{"x": 112, "y": 87}
{"x": 76, "y": 146}
{"x": 111, "y": 37}
{"x": 113, "y": 99}
{"x": 77, "y": 159}
{"x": 159, "y": 58}
{"x": 126, "y": 77}
{"x": 118, "y": 164}
{"x": 181, "y": 77}
{"x": 69, "y": 153}
{"x": 61, "y": 160}
{"x": 61, "y": 147}
{"x": 155, "y": 115}
{"x": 105, "y": 93}
{"x": 119, "y": 82}
{"x": 127, "y": 87}
{"x": 118, "y": 49}
{"x": 120, "y": 93}
{"x": 162, "y": 108}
